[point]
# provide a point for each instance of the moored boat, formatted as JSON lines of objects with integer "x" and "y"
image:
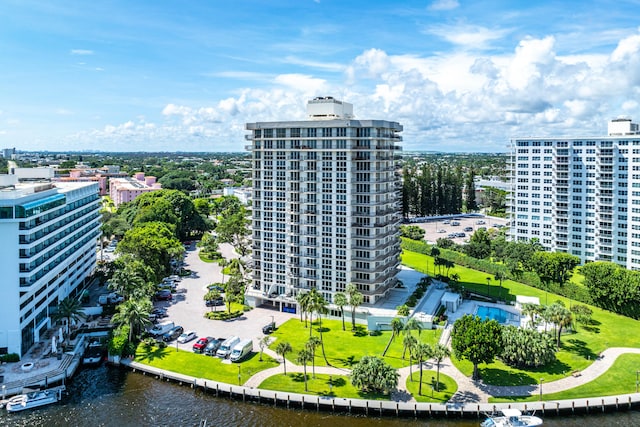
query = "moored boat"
{"x": 94, "y": 353}
{"x": 34, "y": 399}
{"x": 512, "y": 418}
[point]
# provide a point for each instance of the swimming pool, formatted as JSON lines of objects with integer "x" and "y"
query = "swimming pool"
{"x": 495, "y": 313}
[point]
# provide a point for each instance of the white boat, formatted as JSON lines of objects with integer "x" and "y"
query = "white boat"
{"x": 33, "y": 399}
{"x": 512, "y": 418}
{"x": 93, "y": 354}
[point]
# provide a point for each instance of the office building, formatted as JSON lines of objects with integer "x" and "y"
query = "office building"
{"x": 326, "y": 205}
{"x": 580, "y": 195}
{"x": 49, "y": 233}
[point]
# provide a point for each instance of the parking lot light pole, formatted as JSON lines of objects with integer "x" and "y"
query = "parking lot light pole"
{"x": 239, "y": 376}
{"x": 541, "y": 381}
{"x": 637, "y": 380}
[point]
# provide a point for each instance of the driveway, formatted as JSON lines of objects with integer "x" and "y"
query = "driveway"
{"x": 187, "y": 308}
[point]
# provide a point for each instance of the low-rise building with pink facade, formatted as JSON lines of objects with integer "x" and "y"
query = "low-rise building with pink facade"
{"x": 124, "y": 190}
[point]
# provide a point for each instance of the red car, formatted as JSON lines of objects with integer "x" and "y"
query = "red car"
{"x": 202, "y": 342}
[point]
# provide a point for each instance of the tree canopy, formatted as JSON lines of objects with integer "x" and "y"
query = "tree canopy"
{"x": 477, "y": 340}
{"x": 373, "y": 374}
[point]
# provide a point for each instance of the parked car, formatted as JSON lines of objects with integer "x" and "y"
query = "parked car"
{"x": 461, "y": 235}
{"x": 241, "y": 350}
{"x": 175, "y": 278}
{"x": 111, "y": 298}
{"x": 163, "y": 295}
{"x": 446, "y": 222}
{"x": 215, "y": 288}
{"x": 174, "y": 333}
{"x": 213, "y": 346}
{"x": 468, "y": 229}
{"x": 161, "y": 328}
{"x": 227, "y": 346}
{"x": 187, "y": 336}
{"x": 480, "y": 222}
{"x": 201, "y": 344}
{"x": 455, "y": 223}
{"x": 268, "y": 328}
{"x": 214, "y": 302}
{"x": 442, "y": 230}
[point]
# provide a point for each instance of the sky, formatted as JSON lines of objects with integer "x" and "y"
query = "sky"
{"x": 175, "y": 75}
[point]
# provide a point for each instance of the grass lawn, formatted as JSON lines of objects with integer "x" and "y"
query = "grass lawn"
{"x": 345, "y": 348}
{"x": 204, "y": 258}
{"x": 340, "y": 386}
{"x": 579, "y": 348}
{"x": 447, "y": 386}
{"x": 620, "y": 379}
{"x": 201, "y": 366}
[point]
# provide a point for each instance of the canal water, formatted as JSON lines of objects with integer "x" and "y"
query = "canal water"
{"x": 110, "y": 396}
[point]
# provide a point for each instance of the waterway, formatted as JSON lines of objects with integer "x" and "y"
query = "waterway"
{"x": 110, "y": 396}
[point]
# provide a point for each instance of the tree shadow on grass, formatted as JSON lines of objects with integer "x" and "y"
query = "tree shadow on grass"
{"x": 502, "y": 377}
{"x": 579, "y": 348}
{"x": 592, "y": 326}
{"x": 360, "y": 331}
{"x": 348, "y": 361}
{"x": 149, "y": 354}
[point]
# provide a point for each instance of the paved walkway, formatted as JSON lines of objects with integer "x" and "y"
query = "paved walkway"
{"x": 469, "y": 391}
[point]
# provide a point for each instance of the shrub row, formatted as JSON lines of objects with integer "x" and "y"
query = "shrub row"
{"x": 222, "y": 315}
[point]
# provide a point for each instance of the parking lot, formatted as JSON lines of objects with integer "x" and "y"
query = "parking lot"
{"x": 188, "y": 306}
{"x": 443, "y": 228}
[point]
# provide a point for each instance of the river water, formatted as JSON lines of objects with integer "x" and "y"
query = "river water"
{"x": 110, "y": 396}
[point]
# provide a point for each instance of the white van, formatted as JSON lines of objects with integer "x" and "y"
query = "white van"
{"x": 241, "y": 349}
{"x": 227, "y": 346}
{"x": 161, "y": 328}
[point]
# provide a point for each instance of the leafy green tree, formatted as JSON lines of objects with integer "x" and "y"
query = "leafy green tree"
{"x": 340, "y": 300}
{"x": 154, "y": 244}
{"x": 282, "y": 348}
{"x": 234, "y": 291}
{"x": 439, "y": 353}
{"x": 527, "y": 348}
{"x": 134, "y": 313}
{"x": 397, "y": 325}
{"x": 479, "y": 245}
{"x": 132, "y": 278}
{"x": 582, "y": 313}
{"x": 355, "y": 300}
{"x": 212, "y": 295}
{"x": 554, "y": 267}
{"x": 612, "y": 287}
{"x": 373, "y": 374}
{"x": 476, "y": 340}
{"x": 304, "y": 355}
{"x": 560, "y": 316}
{"x": 202, "y": 207}
{"x": 470, "y": 191}
{"x": 412, "y": 232}
{"x": 69, "y": 309}
{"x": 234, "y": 229}
{"x": 263, "y": 343}
{"x": 403, "y": 310}
{"x": 422, "y": 352}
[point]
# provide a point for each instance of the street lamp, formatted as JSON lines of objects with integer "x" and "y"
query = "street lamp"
{"x": 488, "y": 283}
{"x": 637, "y": 382}
{"x": 176, "y": 346}
{"x": 541, "y": 381}
{"x": 330, "y": 384}
{"x": 239, "y": 376}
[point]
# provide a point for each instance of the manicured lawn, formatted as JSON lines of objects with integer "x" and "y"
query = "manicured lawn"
{"x": 201, "y": 366}
{"x": 579, "y": 348}
{"x": 620, "y": 379}
{"x": 345, "y": 348}
{"x": 447, "y": 386}
{"x": 341, "y": 386}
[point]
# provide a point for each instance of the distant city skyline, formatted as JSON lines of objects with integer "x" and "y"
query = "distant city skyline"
{"x": 186, "y": 76}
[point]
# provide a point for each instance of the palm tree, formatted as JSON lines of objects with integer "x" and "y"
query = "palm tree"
{"x": 69, "y": 309}
{"x": 530, "y": 309}
{"x": 403, "y": 310}
{"x": 319, "y": 305}
{"x": 421, "y": 352}
{"x": 264, "y": 342}
{"x": 135, "y": 313}
{"x": 434, "y": 253}
{"x": 303, "y": 357}
{"x": 355, "y": 299}
{"x": 560, "y": 316}
{"x": 439, "y": 353}
{"x": 311, "y": 345}
{"x": 412, "y": 324}
{"x": 304, "y": 301}
{"x": 408, "y": 341}
{"x": 397, "y": 325}
{"x": 223, "y": 264}
{"x": 499, "y": 276}
{"x": 212, "y": 295}
{"x": 282, "y": 349}
{"x": 340, "y": 300}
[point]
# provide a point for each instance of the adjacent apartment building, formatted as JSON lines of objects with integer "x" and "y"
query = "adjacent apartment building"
{"x": 122, "y": 190}
{"x": 326, "y": 205}
{"x": 49, "y": 233}
{"x": 580, "y": 195}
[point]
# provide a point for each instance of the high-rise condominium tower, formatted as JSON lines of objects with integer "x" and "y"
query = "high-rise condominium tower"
{"x": 580, "y": 195}
{"x": 325, "y": 208}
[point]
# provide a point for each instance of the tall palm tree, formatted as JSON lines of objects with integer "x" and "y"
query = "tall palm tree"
{"x": 422, "y": 352}
{"x": 499, "y": 276}
{"x": 355, "y": 300}
{"x": 434, "y": 253}
{"x": 304, "y": 301}
{"x": 303, "y": 357}
{"x": 439, "y": 353}
{"x": 560, "y": 316}
{"x": 282, "y": 349}
{"x": 340, "y": 300}
{"x": 397, "y": 325}
{"x": 69, "y": 309}
{"x": 311, "y": 345}
{"x": 135, "y": 313}
{"x": 410, "y": 325}
{"x": 319, "y": 305}
{"x": 531, "y": 309}
{"x": 408, "y": 341}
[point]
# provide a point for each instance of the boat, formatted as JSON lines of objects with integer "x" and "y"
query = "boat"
{"x": 34, "y": 399}
{"x": 93, "y": 354}
{"x": 512, "y": 418}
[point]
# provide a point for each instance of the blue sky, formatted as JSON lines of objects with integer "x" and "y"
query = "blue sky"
{"x": 186, "y": 75}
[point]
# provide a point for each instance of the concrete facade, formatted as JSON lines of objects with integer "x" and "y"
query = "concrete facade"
{"x": 122, "y": 190}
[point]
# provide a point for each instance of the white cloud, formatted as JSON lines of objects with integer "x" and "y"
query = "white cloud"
{"x": 444, "y": 5}
{"x": 81, "y": 52}
{"x": 467, "y": 36}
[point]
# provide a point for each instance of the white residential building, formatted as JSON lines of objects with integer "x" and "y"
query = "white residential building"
{"x": 326, "y": 209}
{"x": 580, "y": 195}
{"x": 49, "y": 233}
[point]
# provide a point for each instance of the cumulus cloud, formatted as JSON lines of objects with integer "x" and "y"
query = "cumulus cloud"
{"x": 467, "y": 36}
